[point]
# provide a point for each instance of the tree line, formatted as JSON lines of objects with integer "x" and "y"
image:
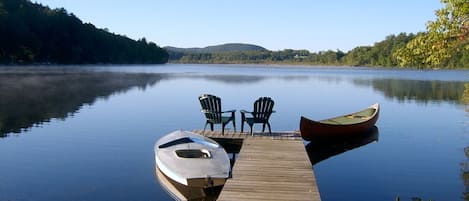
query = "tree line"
{"x": 381, "y": 54}
{"x": 32, "y": 33}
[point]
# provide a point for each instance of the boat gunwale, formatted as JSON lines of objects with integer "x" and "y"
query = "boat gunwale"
{"x": 374, "y": 106}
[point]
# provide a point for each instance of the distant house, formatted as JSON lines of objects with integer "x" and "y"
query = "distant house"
{"x": 300, "y": 56}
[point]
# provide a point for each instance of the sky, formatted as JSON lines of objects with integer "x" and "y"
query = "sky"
{"x": 312, "y": 25}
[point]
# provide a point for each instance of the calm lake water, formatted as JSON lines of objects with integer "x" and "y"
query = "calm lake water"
{"x": 87, "y": 133}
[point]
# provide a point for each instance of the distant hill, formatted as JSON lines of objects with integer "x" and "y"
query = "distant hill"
{"x": 32, "y": 33}
{"x": 228, "y": 47}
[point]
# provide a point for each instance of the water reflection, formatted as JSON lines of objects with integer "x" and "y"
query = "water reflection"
{"x": 465, "y": 96}
{"x": 465, "y": 164}
{"x": 33, "y": 97}
{"x": 88, "y": 165}
{"x": 239, "y": 79}
{"x": 181, "y": 192}
{"x": 324, "y": 149}
{"x": 227, "y": 79}
{"x": 465, "y": 174}
{"x": 423, "y": 91}
{"x": 419, "y": 90}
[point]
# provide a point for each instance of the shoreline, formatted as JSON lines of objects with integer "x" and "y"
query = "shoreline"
{"x": 245, "y": 65}
{"x": 311, "y": 66}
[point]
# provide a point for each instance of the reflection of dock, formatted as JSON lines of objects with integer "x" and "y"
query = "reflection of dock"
{"x": 268, "y": 167}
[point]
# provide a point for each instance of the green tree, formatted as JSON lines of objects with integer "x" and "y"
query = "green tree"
{"x": 32, "y": 33}
{"x": 446, "y": 37}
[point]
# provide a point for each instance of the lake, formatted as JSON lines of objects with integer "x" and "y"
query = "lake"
{"x": 87, "y": 132}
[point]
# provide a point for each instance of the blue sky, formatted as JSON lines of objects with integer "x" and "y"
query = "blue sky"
{"x": 276, "y": 25}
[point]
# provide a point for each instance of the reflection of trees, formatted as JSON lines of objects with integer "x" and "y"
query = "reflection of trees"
{"x": 241, "y": 79}
{"x": 418, "y": 90}
{"x": 465, "y": 175}
{"x": 294, "y": 78}
{"x": 465, "y": 96}
{"x": 465, "y": 164}
{"x": 32, "y": 98}
{"x": 229, "y": 78}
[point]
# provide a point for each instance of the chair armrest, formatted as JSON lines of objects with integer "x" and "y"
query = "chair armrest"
{"x": 208, "y": 111}
{"x": 254, "y": 113}
{"x": 244, "y": 111}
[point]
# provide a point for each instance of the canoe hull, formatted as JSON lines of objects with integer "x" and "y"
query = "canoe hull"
{"x": 311, "y": 129}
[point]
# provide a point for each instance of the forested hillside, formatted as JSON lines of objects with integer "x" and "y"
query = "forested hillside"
{"x": 32, "y": 33}
{"x": 381, "y": 54}
{"x": 228, "y": 47}
{"x": 176, "y": 53}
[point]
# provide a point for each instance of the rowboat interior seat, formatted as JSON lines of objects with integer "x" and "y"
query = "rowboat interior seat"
{"x": 211, "y": 108}
{"x": 193, "y": 153}
{"x": 263, "y": 108}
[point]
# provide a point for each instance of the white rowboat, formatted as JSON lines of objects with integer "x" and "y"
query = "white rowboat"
{"x": 192, "y": 159}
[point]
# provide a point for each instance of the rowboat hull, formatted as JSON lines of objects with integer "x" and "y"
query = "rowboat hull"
{"x": 192, "y": 160}
{"x": 182, "y": 192}
{"x": 340, "y": 126}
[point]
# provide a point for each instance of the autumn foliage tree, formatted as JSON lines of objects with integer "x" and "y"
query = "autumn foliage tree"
{"x": 446, "y": 39}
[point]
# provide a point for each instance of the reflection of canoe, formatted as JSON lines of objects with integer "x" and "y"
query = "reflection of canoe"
{"x": 192, "y": 160}
{"x": 181, "y": 192}
{"x": 340, "y": 126}
{"x": 320, "y": 150}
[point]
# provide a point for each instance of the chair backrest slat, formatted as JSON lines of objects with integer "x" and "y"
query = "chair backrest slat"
{"x": 212, "y": 105}
{"x": 263, "y": 108}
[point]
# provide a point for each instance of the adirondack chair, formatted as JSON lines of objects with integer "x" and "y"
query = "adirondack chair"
{"x": 211, "y": 107}
{"x": 261, "y": 114}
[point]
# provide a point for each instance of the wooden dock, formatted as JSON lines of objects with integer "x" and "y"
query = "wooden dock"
{"x": 269, "y": 167}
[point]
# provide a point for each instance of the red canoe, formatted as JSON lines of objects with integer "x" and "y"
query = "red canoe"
{"x": 340, "y": 126}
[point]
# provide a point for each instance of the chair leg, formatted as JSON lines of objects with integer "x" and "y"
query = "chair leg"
{"x": 242, "y": 126}
{"x": 252, "y": 134}
{"x": 263, "y": 127}
{"x": 211, "y": 126}
{"x": 234, "y": 125}
{"x": 223, "y": 129}
{"x": 270, "y": 131}
{"x": 205, "y": 127}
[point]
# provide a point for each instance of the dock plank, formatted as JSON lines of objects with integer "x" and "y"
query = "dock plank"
{"x": 270, "y": 167}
